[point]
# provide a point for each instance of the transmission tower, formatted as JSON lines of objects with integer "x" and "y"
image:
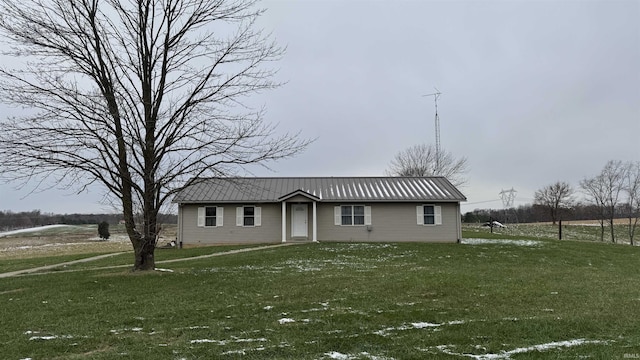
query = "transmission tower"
{"x": 508, "y": 196}
{"x": 436, "y": 95}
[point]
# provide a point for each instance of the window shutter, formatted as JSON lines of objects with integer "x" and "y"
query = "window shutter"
{"x": 239, "y": 216}
{"x": 257, "y": 216}
{"x": 337, "y": 215}
{"x": 201, "y": 213}
{"x": 420, "y": 214}
{"x": 367, "y": 215}
{"x": 438, "y": 214}
{"x": 219, "y": 216}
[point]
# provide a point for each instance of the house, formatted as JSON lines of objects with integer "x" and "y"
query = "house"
{"x": 282, "y": 209}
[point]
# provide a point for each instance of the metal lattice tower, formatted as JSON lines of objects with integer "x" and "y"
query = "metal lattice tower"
{"x": 436, "y": 95}
{"x": 508, "y": 196}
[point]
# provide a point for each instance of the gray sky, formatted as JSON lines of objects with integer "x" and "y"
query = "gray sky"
{"x": 532, "y": 91}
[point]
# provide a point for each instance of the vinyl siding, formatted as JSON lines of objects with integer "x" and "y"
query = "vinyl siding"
{"x": 229, "y": 233}
{"x": 391, "y": 222}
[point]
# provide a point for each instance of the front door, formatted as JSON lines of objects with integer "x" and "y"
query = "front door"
{"x": 299, "y": 217}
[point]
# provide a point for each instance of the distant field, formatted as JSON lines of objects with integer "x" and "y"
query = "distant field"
{"x": 495, "y": 298}
{"x": 586, "y": 222}
{"x": 578, "y": 230}
{"x": 68, "y": 240}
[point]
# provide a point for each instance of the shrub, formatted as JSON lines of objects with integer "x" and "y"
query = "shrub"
{"x": 103, "y": 230}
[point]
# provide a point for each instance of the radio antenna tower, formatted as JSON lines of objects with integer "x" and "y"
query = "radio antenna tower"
{"x": 436, "y": 95}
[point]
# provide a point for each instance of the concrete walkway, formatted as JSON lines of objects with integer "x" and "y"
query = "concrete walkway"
{"x": 49, "y": 267}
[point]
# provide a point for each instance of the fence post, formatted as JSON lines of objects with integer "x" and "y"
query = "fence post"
{"x": 560, "y": 229}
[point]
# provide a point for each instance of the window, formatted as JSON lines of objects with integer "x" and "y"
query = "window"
{"x": 353, "y": 215}
{"x": 429, "y": 215}
{"x": 248, "y": 216}
{"x": 210, "y": 216}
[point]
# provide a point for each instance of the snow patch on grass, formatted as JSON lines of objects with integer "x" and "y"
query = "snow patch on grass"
{"x": 225, "y": 342}
{"x": 45, "y": 337}
{"x": 363, "y": 355}
{"x": 473, "y": 241}
{"x": 120, "y": 331}
{"x": 417, "y": 325}
{"x": 447, "y": 349}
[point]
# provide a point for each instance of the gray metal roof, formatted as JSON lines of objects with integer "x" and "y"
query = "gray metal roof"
{"x": 328, "y": 189}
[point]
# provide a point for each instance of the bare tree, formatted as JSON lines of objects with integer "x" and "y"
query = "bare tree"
{"x": 138, "y": 96}
{"x": 613, "y": 175}
{"x": 631, "y": 187}
{"x": 595, "y": 192}
{"x": 555, "y": 198}
{"x": 424, "y": 160}
{"x": 604, "y": 191}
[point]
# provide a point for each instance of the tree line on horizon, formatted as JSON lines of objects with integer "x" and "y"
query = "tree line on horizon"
{"x": 10, "y": 220}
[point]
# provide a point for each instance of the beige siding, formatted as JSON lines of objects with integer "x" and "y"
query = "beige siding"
{"x": 391, "y": 222}
{"x": 229, "y": 233}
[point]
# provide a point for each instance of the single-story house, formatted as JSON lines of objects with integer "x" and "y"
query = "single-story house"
{"x": 281, "y": 209}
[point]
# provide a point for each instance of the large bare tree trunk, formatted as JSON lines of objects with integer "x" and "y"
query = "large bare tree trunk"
{"x": 144, "y": 251}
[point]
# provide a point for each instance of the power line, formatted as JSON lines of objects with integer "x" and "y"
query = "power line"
{"x": 481, "y": 202}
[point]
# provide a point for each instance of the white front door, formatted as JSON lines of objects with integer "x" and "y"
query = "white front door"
{"x": 299, "y": 220}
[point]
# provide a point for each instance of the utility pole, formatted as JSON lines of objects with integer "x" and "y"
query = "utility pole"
{"x": 436, "y": 95}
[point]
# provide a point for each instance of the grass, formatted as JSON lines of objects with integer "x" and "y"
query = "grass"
{"x": 345, "y": 301}
{"x": 160, "y": 255}
{"x": 9, "y": 265}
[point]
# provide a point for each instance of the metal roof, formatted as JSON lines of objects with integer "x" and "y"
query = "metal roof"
{"x": 327, "y": 189}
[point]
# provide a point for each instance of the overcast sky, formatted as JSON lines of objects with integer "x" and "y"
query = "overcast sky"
{"x": 532, "y": 91}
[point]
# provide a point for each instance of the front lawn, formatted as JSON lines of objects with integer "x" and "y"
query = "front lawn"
{"x": 494, "y": 299}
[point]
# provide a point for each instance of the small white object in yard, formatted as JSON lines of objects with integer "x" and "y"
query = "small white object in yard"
{"x": 268, "y": 307}
{"x": 286, "y": 321}
{"x": 163, "y": 270}
{"x": 494, "y": 224}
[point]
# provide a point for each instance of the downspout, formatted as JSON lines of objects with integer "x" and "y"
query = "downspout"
{"x": 284, "y": 222}
{"x": 180, "y": 225}
{"x": 315, "y": 222}
{"x": 459, "y": 222}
